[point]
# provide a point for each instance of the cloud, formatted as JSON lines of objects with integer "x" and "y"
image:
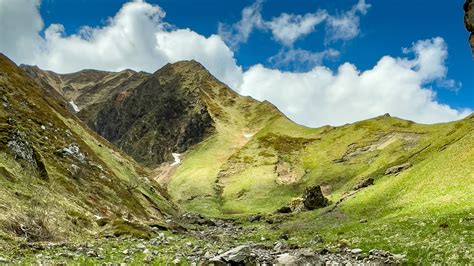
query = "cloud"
{"x": 239, "y": 32}
{"x": 300, "y": 59}
{"x": 19, "y": 24}
{"x": 347, "y": 25}
{"x": 395, "y": 85}
{"x": 137, "y": 37}
{"x": 287, "y": 28}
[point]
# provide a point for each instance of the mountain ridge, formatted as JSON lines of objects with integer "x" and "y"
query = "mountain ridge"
{"x": 58, "y": 177}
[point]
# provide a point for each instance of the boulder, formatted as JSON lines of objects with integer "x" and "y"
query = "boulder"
{"x": 313, "y": 198}
{"x": 397, "y": 168}
{"x": 286, "y": 259}
{"x": 72, "y": 151}
{"x": 297, "y": 205}
{"x": 238, "y": 255}
{"x": 364, "y": 183}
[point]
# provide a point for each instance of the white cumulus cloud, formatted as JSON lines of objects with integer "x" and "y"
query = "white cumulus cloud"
{"x": 20, "y": 23}
{"x": 239, "y": 32}
{"x": 321, "y": 96}
{"x": 137, "y": 37}
{"x": 287, "y": 28}
{"x": 300, "y": 59}
{"x": 347, "y": 25}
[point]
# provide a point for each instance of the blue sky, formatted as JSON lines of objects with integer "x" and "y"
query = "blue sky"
{"x": 389, "y": 26}
{"x": 385, "y": 28}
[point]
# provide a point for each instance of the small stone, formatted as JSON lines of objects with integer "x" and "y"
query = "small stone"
{"x": 43, "y": 127}
{"x": 3, "y": 260}
{"x": 146, "y": 251}
{"x": 126, "y": 252}
{"x": 177, "y": 261}
{"x": 91, "y": 253}
{"x": 356, "y": 251}
{"x": 127, "y": 259}
{"x": 141, "y": 246}
{"x": 363, "y": 221}
{"x": 189, "y": 244}
{"x": 255, "y": 218}
{"x": 398, "y": 256}
{"x": 148, "y": 259}
{"x": 262, "y": 238}
{"x": 286, "y": 259}
{"x": 208, "y": 255}
{"x": 279, "y": 246}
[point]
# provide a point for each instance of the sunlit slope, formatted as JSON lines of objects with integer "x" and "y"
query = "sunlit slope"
{"x": 57, "y": 177}
{"x": 281, "y": 159}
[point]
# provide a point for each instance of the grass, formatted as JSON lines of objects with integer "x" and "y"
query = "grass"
{"x": 68, "y": 204}
{"x": 425, "y": 212}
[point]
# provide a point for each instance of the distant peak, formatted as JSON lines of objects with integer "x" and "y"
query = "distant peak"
{"x": 184, "y": 65}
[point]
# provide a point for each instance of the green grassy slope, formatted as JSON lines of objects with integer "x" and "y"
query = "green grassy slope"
{"x": 282, "y": 158}
{"x": 46, "y": 194}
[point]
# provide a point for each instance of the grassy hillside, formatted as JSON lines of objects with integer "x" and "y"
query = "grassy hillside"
{"x": 267, "y": 170}
{"x": 425, "y": 211}
{"x": 255, "y": 160}
{"x": 58, "y": 179}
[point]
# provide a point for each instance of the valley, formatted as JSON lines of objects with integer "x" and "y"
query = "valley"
{"x": 175, "y": 167}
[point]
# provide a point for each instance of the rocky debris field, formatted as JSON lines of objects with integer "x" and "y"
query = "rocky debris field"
{"x": 207, "y": 242}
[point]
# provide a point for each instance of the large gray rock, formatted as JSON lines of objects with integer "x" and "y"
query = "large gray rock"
{"x": 313, "y": 198}
{"x": 237, "y": 255}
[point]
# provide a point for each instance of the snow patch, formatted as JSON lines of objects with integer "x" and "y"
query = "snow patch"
{"x": 74, "y": 106}
{"x": 248, "y": 135}
{"x": 177, "y": 160}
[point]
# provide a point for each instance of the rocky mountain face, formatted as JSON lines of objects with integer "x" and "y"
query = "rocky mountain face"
{"x": 469, "y": 20}
{"x": 165, "y": 114}
{"x": 86, "y": 88}
{"x": 150, "y": 116}
{"x": 59, "y": 179}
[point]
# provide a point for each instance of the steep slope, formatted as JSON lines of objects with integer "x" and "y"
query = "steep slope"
{"x": 469, "y": 20}
{"x": 57, "y": 178}
{"x": 178, "y": 106}
{"x": 86, "y": 88}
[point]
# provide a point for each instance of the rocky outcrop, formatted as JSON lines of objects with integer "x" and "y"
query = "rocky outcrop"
{"x": 85, "y": 90}
{"x": 397, "y": 168}
{"x": 313, "y": 198}
{"x": 165, "y": 114}
{"x": 469, "y": 20}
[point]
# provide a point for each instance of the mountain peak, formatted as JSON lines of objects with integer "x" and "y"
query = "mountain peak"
{"x": 184, "y": 66}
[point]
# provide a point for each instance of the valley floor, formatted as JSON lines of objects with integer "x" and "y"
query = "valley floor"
{"x": 282, "y": 239}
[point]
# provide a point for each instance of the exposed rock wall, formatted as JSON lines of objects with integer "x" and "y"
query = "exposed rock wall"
{"x": 164, "y": 114}
{"x": 469, "y": 20}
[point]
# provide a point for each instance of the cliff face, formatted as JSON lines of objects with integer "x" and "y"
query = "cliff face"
{"x": 164, "y": 114}
{"x": 469, "y": 20}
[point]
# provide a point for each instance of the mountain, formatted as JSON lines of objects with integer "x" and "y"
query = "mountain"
{"x": 383, "y": 182}
{"x": 60, "y": 180}
{"x": 155, "y": 115}
{"x": 86, "y": 88}
{"x": 469, "y": 20}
